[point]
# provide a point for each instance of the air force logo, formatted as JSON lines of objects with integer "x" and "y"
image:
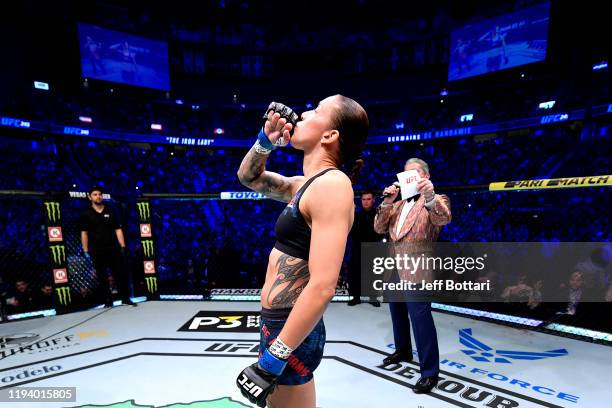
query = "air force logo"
{"x": 481, "y": 352}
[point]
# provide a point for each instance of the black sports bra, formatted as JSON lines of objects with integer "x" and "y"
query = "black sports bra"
{"x": 292, "y": 231}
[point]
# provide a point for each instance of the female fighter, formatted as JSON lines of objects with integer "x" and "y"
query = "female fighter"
{"x": 311, "y": 235}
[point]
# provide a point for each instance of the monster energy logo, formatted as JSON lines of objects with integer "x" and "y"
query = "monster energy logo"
{"x": 53, "y": 211}
{"x": 151, "y": 284}
{"x": 63, "y": 295}
{"x": 147, "y": 247}
{"x": 143, "y": 210}
{"x": 59, "y": 254}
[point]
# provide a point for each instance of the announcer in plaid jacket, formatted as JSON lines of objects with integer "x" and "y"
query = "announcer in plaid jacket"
{"x": 417, "y": 220}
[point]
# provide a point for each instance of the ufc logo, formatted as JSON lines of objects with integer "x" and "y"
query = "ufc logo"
{"x": 253, "y": 389}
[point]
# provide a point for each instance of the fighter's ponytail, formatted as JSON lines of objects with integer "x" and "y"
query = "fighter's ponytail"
{"x": 352, "y": 123}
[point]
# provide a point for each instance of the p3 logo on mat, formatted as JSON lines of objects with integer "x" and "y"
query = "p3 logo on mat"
{"x": 212, "y": 321}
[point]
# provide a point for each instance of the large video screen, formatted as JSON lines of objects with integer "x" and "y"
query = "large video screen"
{"x": 503, "y": 42}
{"x": 118, "y": 57}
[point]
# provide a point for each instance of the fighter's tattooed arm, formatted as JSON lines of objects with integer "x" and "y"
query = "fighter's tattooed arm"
{"x": 252, "y": 174}
{"x": 291, "y": 277}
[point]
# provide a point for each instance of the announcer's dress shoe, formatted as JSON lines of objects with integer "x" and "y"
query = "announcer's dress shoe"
{"x": 425, "y": 385}
{"x": 398, "y": 356}
{"x": 353, "y": 302}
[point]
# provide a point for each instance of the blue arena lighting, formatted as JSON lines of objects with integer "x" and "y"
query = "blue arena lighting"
{"x": 546, "y": 105}
{"x": 12, "y": 122}
{"x": 219, "y": 131}
{"x": 41, "y": 85}
{"x": 600, "y": 66}
{"x": 560, "y": 117}
{"x": 181, "y": 297}
{"x": 42, "y": 313}
{"x": 404, "y": 138}
{"x": 85, "y": 119}
{"x": 481, "y": 313}
{"x": 416, "y": 135}
{"x": 69, "y": 130}
{"x": 468, "y": 117}
{"x": 179, "y": 101}
{"x": 596, "y": 335}
{"x": 399, "y": 125}
{"x": 189, "y": 141}
{"x": 238, "y": 297}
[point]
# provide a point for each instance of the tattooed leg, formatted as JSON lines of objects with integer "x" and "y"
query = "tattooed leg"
{"x": 292, "y": 276}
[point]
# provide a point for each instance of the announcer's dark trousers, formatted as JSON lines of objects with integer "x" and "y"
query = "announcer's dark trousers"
{"x": 424, "y": 334}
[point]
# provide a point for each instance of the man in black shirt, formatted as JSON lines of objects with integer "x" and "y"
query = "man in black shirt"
{"x": 23, "y": 301}
{"x": 362, "y": 231}
{"x": 103, "y": 241}
{"x": 43, "y": 299}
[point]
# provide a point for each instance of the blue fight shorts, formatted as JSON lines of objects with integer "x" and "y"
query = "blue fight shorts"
{"x": 305, "y": 359}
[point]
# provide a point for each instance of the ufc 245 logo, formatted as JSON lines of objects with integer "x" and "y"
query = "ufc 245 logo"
{"x": 211, "y": 321}
{"x": 249, "y": 386}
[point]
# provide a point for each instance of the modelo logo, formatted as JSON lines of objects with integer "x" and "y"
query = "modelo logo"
{"x": 241, "y": 195}
{"x": 27, "y": 373}
{"x": 483, "y": 353}
{"x": 212, "y": 321}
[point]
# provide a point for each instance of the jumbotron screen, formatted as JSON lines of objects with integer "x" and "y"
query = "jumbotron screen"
{"x": 128, "y": 59}
{"x": 503, "y": 42}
